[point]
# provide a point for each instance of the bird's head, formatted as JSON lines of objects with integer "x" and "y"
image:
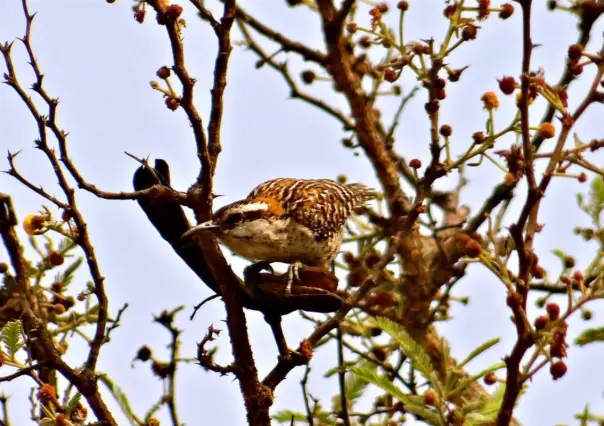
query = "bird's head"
{"x": 234, "y": 219}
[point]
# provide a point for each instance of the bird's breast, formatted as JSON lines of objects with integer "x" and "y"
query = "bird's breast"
{"x": 281, "y": 240}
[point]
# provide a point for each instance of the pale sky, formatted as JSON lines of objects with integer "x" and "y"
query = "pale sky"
{"x": 99, "y": 61}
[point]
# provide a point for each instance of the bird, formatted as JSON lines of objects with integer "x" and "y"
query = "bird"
{"x": 289, "y": 220}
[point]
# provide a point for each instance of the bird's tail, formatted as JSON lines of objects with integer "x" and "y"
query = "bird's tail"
{"x": 362, "y": 192}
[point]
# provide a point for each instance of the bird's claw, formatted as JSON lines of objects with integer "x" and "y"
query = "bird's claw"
{"x": 292, "y": 275}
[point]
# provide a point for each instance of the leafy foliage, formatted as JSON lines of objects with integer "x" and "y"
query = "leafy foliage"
{"x": 413, "y": 403}
{"x": 73, "y": 403}
{"x": 119, "y": 396}
{"x": 487, "y": 412}
{"x": 590, "y": 335}
{"x": 415, "y": 352}
{"x": 12, "y": 337}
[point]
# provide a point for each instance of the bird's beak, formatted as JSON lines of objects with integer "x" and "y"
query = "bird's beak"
{"x": 202, "y": 227}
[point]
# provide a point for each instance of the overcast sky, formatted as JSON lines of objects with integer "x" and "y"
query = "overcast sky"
{"x": 99, "y": 61}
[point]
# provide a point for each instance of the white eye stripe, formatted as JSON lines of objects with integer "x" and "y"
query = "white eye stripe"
{"x": 251, "y": 207}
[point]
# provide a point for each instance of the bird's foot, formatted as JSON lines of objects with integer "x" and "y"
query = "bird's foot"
{"x": 292, "y": 275}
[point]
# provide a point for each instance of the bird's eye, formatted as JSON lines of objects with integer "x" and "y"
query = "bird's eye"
{"x": 233, "y": 219}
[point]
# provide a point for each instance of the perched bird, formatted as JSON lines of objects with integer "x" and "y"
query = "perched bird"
{"x": 295, "y": 221}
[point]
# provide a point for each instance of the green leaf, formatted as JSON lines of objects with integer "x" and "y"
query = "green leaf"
{"x": 560, "y": 254}
{"x": 412, "y": 404}
{"x": 421, "y": 362}
{"x": 371, "y": 376}
{"x": 12, "y": 337}
{"x": 479, "y": 350}
{"x": 73, "y": 403}
{"x": 488, "y": 411}
{"x": 589, "y": 336}
{"x": 286, "y": 416}
{"x": 66, "y": 276}
{"x": 355, "y": 385}
{"x": 596, "y": 196}
{"x": 119, "y": 396}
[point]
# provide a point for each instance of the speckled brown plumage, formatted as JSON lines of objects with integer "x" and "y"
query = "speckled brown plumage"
{"x": 289, "y": 220}
{"x": 322, "y": 205}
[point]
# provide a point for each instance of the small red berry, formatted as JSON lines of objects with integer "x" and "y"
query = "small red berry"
{"x": 558, "y": 369}
{"x": 558, "y": 350}
{"x": 403, "y": 5}
{"x": 56, "y": 259}
{"x": 514, "y": 300}
{"x": 173, "y": 12}
{"x": 415, "y": 163}
{"x": 490, "y": 379}
{"x": 163, "y": 72}
{"x": 553, "y": 311}
{"x": 308, "y": 76}
{"x": 430, "y": 397}
{"x": 375, "y": 13}
{"x": 469, "y": 32}
{"x": 506, "y": 11}
{"x": 139, "y": 15}
{"x": 172, "y": 103}
{"x": 575, "y": 69}
{"x": 450, "y": 10}
{"x": 575, "y": 51}
{"x": 440, "y": 94}
{"x": 446, "y": 130}
{"x": 582, "y": 178}
{"x": 507, "y": 85}
{"x": 478, "y": 137}
{"x": 541, "y": 322}
{"x": 390, "y": 75}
